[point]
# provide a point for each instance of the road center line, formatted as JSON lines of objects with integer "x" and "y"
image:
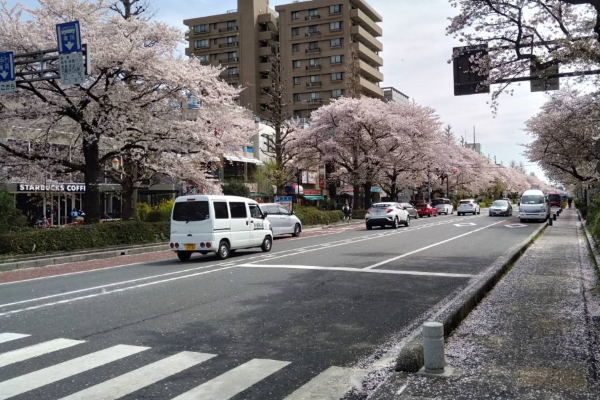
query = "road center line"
{"x": 428, "y": 247}
{"x": 346, "y": 269}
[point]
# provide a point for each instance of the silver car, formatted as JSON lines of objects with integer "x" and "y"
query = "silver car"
{"x": 412, "y": 211}
{"x": 501, "y": 207}
{"x": 283, "y": 221}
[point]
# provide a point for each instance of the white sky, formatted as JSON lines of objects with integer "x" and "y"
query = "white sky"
{"x": 416, "y": 51}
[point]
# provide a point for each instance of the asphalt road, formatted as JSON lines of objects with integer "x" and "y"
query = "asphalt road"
{"x": 301, "y": 322}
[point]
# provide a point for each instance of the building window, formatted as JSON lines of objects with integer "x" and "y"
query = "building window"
{"x": 215, "y": 41}
{"x": 335, "y": 42}
{"x": 295, "y": 15}
{"x": 231, "y": 40}
{"x": 313, "y": 62}
{"x": 337, "y": 76}
{"x": 203, "y": 58}
{"x": 297, "y": 80}
{"x": 296, "y": 64}
{"x": 232, "y": 56}
{"x": 230, "y": 25}
{"x": 336, "y": 59}
{"x": 203, "y": 28}
{"x": 336, "y": 9}
{"x": 295, "y": 31}
{"x": 232, "y": 71}
{"x": 215, "y": 25}
{"x": 313, "y": 29}
{"x": 335, "y": 26}
{"x": 313, "y": 13}
{"x": 313, "y": 46}
{"x": 295, "y": 48}
{"x": 337, "y": 93}
{"x": 199, "y": 44}
{"x": 315, "y": 78}
{"x": 315, "y": 96}
{"x": 297, "y": 97}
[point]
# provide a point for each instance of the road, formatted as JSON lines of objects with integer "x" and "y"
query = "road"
{"x": 304, "y": 321}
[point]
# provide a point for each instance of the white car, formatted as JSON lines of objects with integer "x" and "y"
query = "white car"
{"x": 534, "y": 206}
{"x": 384, "y": 214}
{"x": 443, "y": 206}
{"x": 468, "y": 206}
{"x": 283, "y": 221}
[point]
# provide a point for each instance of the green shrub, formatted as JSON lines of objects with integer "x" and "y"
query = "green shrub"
{"x": 482, "y": 205}
{"x": 10, "y": 218}
{"x": 359, "y": 214}
{"x": 160, "y": 213}
{"x": 33, "y": 241}
{"x": 236, "y": 188}
{"x": 142, "y": 211}
{"x": 313, "y": 216}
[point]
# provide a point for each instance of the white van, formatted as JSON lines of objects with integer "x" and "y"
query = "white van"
{"x": 217, "y": 224}
{"x": 534, "y": 205}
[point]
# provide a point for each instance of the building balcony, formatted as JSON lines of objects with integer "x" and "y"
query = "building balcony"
{"x": 229, "y": 45}
{"x": 369, "y": 72}
{"x": 232, "y": 77}
{"x": 366, "y": 54}
{"x": 313, "y": 84}
{"x": 366, "y": 38}
{"x": 270, "y": 19}
{"x": 267, "y": 36}
{"x": 360, "y": 18}
{"x": 264, "y": 67}
{"x": 231, "y": 60}
{"x": 230, "y": 29}
{"x": 313, "y": 67}
{"x": 264, "y": 82}
{"x": 266, "y": 51}
{"x": 315, "y": 33}
{"x": 315, "y": 102}
{"x": 317, "y": 50}
{"x": 371, "y": 89}
{"x": 312, "y": 17}
{"x": 367, "y": 9}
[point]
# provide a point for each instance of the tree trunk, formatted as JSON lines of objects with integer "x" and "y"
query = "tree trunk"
{"x": 356, "y": 200}
{"x": 129, "y": 190}
{"x": 91, "y": 197}
{"x": 367, "y": 188}
{"x": 394, "y": 191}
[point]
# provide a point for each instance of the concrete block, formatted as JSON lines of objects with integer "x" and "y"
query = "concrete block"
{"x": 410, "y": 358}
{"x": 433, "y": 347}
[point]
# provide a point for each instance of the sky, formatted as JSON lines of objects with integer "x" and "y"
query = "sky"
{"x": 416, "y": 54}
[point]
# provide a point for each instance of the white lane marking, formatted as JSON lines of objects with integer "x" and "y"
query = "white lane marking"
{"x": 46, "y": 376}
{"x": 515, "y": 226}
{"x": 112, "y": 291}
{"x": 234, "y": 381}
{"x": 330, "y": 384}
{"x": 36, "y": 350}
{"x": 465, "y": 224}
{"x": 361, "y": 270}
{"x": 429, "y": 247}
{"x": 141, "y": 377}
{"x": 7, "y": 337}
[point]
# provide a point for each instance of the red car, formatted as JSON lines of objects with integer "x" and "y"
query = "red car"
{"x": 426, "y": 209}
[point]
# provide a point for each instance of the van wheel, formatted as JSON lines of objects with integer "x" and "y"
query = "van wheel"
{"x": 297, "y": 230}
{"x": 369, "y": 227}
{"x": 223, "y": 250}
{"x": 267, "y": 244}
{"x": 184, "y": 255}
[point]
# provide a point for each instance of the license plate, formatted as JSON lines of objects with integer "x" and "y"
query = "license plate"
{"x": 189, "y": 247}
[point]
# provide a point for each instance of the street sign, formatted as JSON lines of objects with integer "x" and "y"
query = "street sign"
{"x": 466, "y": 224}
{"x": 69, "y": 37}
{"x": 539, "y": 81}
{"x": 71, "y": 68}
{"x": 7, "y": 73}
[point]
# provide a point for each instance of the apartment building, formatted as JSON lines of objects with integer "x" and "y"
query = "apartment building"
{"x": 236, "y": 40}
{"x": 316, "y": 37}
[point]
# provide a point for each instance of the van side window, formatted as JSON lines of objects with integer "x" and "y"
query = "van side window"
{"x": 255, "y": 211}
{"x": 221, "y": 210}
{"x": 238, "y": 210}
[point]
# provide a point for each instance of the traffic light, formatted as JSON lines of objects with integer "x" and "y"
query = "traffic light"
{"x": 466, "y": 80}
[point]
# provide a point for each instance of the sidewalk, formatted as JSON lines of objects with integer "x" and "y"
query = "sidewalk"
{"x": 535, "y": 336}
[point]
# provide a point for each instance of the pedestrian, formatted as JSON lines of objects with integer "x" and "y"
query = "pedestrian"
{"x": 347, "y": 213}
{"x": 74, "y": 214}
{"x": 569, "y": 200}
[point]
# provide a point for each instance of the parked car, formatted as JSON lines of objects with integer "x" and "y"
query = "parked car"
{"x": 217, "y": 224}
{"x": 412, "y": 211}
{"x": 501, "y": 207}
{"x": 283, "y": 221}
{"x": 469, "y": 206}
{"x": 534, "y": 205}
{"x": 384, "y": 214}
{"x": 554, "y": 199}
{"x": 424, "y": 209}
{"x": 443, "y": 206}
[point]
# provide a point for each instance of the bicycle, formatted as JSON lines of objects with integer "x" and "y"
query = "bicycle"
{"x": 347, "y": 218}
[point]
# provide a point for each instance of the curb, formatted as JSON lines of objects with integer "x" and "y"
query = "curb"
{"x": 591, "y": 241}
{"x": 410, "y": 358}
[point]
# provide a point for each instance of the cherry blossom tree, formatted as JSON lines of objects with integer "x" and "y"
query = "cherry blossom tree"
{"x": 525, "y": 33}
{"x": 130, "y": 104}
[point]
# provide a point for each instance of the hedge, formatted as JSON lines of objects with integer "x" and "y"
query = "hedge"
{"x": 313, "y": 216}
{"x": 39, "y": 241}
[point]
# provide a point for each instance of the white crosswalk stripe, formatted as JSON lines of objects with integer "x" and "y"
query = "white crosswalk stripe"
{"x": 26, "y": 353}
{"x": 142, "y": 377}
{"x": 331, "y": 384}
{"x": 230, "y": 383}
{"x": 7, "y": 337}
{"x": 46, "y": 376}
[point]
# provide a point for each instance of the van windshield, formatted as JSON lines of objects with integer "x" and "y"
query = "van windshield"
{"x": 532, "y": 199}
{"x": 191, "y": 211}
{"x": 554, "y": 197}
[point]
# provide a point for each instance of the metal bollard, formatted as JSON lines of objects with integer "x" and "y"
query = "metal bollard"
{"x": 433, "y": 347}
{"x": 554, "y": 217}
{"x": 550, "y": 221}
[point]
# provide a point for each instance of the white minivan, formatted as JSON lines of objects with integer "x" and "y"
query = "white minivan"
{"x": 217, "y": 224}
{"x": 533, "y": 205}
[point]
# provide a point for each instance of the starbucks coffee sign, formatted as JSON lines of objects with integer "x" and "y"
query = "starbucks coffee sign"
{"x": 55, "y": 187}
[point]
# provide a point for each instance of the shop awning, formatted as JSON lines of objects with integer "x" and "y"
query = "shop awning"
{"x": 258, "y": 195}
{"x": 244, "y": 159}
{"x": 314, "y": 197}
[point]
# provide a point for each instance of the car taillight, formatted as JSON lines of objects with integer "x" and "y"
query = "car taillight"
{"x": 389, "y": 210}
{"x": 176, "y": 245}
{"x": 208, "y": 245}
{"x": 202, "y": 245}
{"x": 172, "y": 245}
